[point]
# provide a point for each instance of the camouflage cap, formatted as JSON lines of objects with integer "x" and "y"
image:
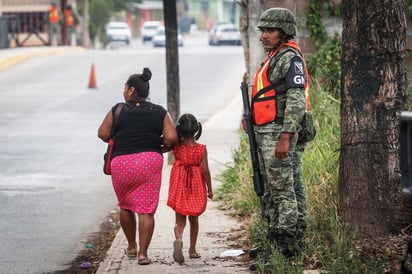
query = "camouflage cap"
{"x": 279, "y": 18}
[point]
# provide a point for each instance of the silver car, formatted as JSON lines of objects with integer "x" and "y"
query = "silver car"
{"x": 118, "y": 31}
{"x": 159, "y": 39}
{"x": 222, "y": 34}
{"x": 149, "y": 29}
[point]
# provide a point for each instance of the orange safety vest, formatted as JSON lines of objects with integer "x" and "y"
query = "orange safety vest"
{"x": 69, "y": 18}
{"x": 54, "y": 16}
{"x": 264, "y": 92}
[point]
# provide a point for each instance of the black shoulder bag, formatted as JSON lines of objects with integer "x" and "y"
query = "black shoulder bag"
{"x": 110, "y": 146}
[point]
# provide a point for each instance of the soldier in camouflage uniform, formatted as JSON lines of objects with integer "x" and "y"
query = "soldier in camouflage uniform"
{"x": 280, "y": 81}
{"x": 71, "y": 20}
{"x": 54, "y": 19}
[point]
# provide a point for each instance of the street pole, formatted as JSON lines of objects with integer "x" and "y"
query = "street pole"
{"x": 172, "y": 62}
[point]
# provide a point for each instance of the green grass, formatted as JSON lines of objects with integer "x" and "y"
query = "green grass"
{"x": 328, "y": 247}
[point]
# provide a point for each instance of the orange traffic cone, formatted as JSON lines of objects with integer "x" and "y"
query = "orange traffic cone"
{"x": 92, "y": 81}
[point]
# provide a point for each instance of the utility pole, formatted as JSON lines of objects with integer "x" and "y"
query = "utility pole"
{"x": 172, "y": 62}
{"x": 172, "y": 58}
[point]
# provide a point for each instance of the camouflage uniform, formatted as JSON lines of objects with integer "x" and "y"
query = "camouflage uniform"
{"x": 71, "y": 29}
{"x": 300, "y": 193}
{"x": 280, "y": 201}
{"x": 54, "y": 27}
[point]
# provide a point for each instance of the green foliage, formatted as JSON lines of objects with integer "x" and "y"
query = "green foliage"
{"x": 115, "y": 5}
{"x": 237, "y": 191}
{"x": 100, "y": 13}
{"x": 315, "y": 24}
{"x": 120, "y": 5}
{"x": 408, "y": 4}
{"x": 317, "y": 10}
{"x": 410, "y": 97}
{"x": 325, "y": 65}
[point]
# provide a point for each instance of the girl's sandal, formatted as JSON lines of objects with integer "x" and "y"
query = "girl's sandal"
{"x": 194, "y": 256}
{"x": 177, "y": 251}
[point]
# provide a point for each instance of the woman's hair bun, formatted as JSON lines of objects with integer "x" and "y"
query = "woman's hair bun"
{"x": 147, "y": 74}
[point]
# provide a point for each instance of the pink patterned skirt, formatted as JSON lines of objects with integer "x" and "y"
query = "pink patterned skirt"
{"x": 136, "y": 181}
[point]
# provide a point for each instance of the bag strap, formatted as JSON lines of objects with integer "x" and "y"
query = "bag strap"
{"x": 116, "y": 114}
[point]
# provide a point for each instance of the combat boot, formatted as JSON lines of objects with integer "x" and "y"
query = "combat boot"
{"x": 254, "y": 251}
{"x": 287, "y": 253}
{"x": 285, "y": 244}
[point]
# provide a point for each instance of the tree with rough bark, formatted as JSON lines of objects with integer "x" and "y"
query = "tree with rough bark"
{"x": 373, "y": 93}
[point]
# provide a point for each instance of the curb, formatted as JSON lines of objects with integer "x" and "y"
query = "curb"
{"x": 22, "y": 54}
{"x": 113, "y": 262}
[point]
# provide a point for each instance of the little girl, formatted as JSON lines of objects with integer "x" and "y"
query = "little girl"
{"x": 190, "y": 183}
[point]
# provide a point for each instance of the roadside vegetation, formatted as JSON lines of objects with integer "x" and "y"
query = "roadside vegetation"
{"x": 328, "y": 247}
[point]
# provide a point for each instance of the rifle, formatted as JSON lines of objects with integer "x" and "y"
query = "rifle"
{"x": 257, "y": 176}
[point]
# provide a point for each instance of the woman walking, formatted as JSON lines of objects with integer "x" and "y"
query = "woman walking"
{"x": 141, "y": 128}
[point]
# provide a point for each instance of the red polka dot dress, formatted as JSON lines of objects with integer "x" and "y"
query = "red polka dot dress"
{"x": 187, "y": 189}
{"x": 136, "y": 180}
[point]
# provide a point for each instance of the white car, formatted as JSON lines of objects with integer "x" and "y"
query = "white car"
{"x": 159, "y": 39}
{"x": 224, "y": 34}
{"x": 149, "y": 29}
{"x": 118, "y": 31}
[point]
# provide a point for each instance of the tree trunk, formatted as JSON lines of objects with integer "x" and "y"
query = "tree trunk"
{"x": 373, "y": 93}
{"x": 255, "y": 50}
{"x": 243, "y": 27}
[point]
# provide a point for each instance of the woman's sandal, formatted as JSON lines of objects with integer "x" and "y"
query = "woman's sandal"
{"x": 130, "y": 256}
{"x": 144, "y": 261}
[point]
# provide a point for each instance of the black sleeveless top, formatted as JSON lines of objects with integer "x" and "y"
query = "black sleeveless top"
{"x": 138, "y": 128}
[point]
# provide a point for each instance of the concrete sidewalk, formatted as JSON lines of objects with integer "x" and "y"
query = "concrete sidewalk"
{"x": 221, "y": 136}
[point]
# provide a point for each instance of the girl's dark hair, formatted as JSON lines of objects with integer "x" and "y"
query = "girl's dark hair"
{"x": 188, "y": 127}
{"x": 140, "y": 82}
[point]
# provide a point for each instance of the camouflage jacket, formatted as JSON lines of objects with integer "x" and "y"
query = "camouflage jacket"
{"x": 290, "y": 106}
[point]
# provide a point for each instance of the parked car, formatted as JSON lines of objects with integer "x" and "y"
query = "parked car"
{"x": 159, "y": 39}
{"x": 224, "y": 34}
{"x": 148, "y": 30}
{"x": 118, "y": 31}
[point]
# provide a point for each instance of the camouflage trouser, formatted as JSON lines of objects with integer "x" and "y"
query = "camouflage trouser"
{"x": 54, "y": 30}
{"x": 71, "y": 36}
{"x": 300, "y": 193}
{"x": 279, "y": 201}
